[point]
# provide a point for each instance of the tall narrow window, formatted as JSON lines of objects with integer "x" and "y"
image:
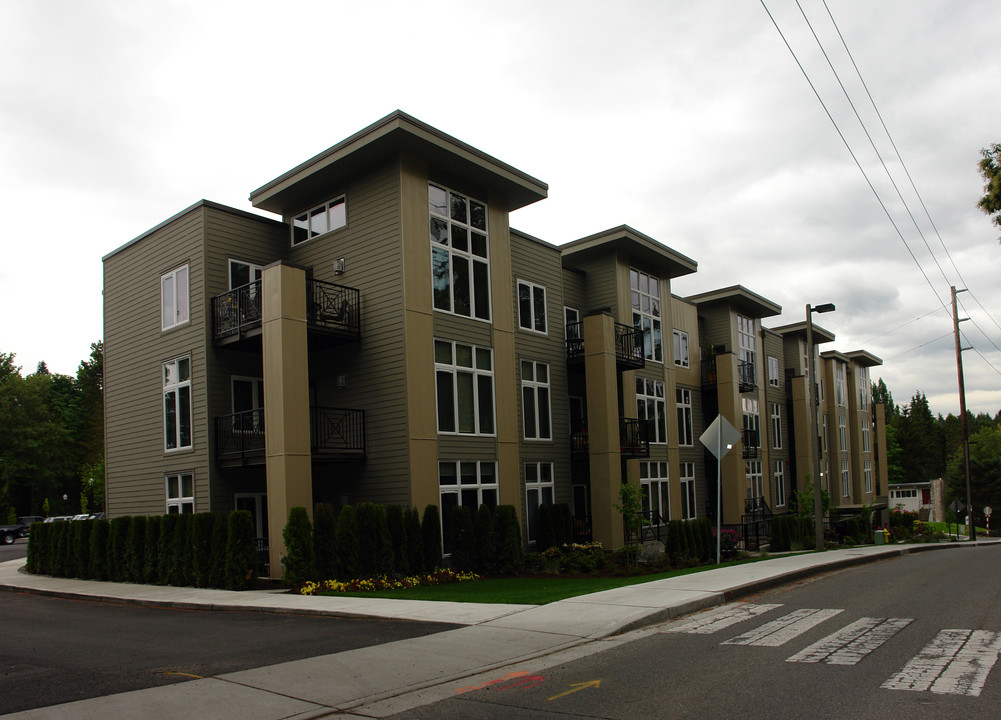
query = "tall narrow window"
{"x": 464, "y": 383}
{"x": 746, "y": 339}
{"x": 180, "y": 493}
{"x": 780, "y": 483}
{"x": 867, "y": 474}
{"x": 755, "y": 483}
{"x": 680, "y": 348}
{"x": 773, "y": 371}
{"x": 538, "y": 491}
{"x": 174, "y": 298}
{"x": 531, "y": 306}
{"x": 842, "y": 433}
{"x": 776, "y": 417}
{"x": 535, "y": 402}
{"x": 864, "y": 389}
{"x": 460, "y": 269}
{"x": 176, "y": 378}
{"x": 651, "y": 406}
{"x": 683, "y": 402}
{"x": 752, "y": 422}
{"x": 688, "y": 511}
{"x": 840, "y": 384}
{"x": 846, "y": 484}
{"x": 645, "y": 298}
{"x": 466, "y": 483}
{"x": 655, "y": 491}
{"x": 866, "y": 436}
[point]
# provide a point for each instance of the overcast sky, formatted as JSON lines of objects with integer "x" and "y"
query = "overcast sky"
{"x": 689, "y": 121}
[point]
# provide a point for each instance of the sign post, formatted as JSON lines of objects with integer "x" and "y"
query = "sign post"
{"x": 987, "y": 514}
{"x": 719, "y": 438}
{"x": 957, "y": 507}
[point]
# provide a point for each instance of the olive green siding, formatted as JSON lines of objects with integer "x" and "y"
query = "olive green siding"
{"x": 135, "y": 350}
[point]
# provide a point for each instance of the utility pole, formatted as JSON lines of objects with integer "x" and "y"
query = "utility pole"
{"x": 962, "y": 414}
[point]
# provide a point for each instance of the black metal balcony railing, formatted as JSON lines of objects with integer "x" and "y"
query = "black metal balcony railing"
{"x": 756, "y": 506}
{"x": 578, "y": 441}
{"x": 575, "y": 341}
{"x": 629, "y": 346}
{"x": 634, "y": 438}
{"x": 240, "y": 434}
{"x": 332, "y": 306}
{"x": 745, "y": 375}
{"x": 336, "y": 431}
{"x": 752, "y": 443}
{"x": 708, "y": 371}
{"x": 237, "y": 311}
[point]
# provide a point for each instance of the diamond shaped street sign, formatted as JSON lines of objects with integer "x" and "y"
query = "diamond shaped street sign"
{"x": 720, "y": 437}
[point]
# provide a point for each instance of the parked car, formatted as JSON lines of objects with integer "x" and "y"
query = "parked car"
{"x": 58, "y": 518}
{"x": 85, "y": 516}
{"x": 26, "y": 522}
{"x": 10, "y": 533}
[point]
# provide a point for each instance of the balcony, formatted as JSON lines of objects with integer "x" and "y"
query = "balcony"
{"x": 628, "y": 345}
{"x": 334, "y": 434}
{"x": 634, "y": 438}
{"x": 333, "y": 312}
{"x": 707, "y": 370}
{"x": 745, "y": 376}
{"x": 752, "y": 443}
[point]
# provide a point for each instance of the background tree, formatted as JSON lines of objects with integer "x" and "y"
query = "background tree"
{"x": 985, "y": 472}
{"x": 990, "y": 170}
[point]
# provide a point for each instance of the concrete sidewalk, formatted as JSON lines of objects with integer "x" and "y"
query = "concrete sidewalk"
{"x": 384, "y": 679}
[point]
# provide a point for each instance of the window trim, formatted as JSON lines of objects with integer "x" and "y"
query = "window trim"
{"x": 539, "y": 485}
{"x": 253, "y": 269}
{"x": 776, "y": 418}
{"x": 454, "y": 370}
{"x": 688, "y": 493}
{"x": 656, "y": 330}
{"x": 532, "y": 318}
{"x": 534, "y": 386}
{"x": 681, "y": 348}
{"x": 178, "y": 298}
{"x": 686, "y": 418}
{"x": 659, "y": 421}
{"x": 176, "y": 387}
{"x": 659, "y": 478}
{"x": 181, "y": 500}
{"x": 306, "y": 215}
{"x": 780, "y": 487}
{"x": 468, "y": 255}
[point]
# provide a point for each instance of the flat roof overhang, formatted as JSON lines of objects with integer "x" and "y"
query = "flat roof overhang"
{"x": 820, "y": 335}
{"x": 394, "y": 134}
{"x": 640, "y": 248}
{"x": 740, "y": 298}
{"x": 864, "y": 358}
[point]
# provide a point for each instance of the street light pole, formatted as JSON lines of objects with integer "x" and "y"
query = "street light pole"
{"x": 818, "y": 500}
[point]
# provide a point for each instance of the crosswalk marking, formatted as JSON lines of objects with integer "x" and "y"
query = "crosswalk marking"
{"x": 955, "y": 662}
{"x": 853, "y": 642}
{"x": 781, "y": 631}
{"x": 708, "y": 623}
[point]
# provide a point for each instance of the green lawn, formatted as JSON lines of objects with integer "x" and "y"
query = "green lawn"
{"x": 953, "y": 528}
{"x": 529, "y": 590}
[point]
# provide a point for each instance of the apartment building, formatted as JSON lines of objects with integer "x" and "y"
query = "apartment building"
{"x": 385, "y": 336}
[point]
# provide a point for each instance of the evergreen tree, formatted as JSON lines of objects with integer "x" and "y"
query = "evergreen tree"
{"x": 431, "y": 532}
{"x": 348, "y": 564}
{"x": 397, "y": 538}
{"x": 325, "y": 541}
{"x": 298, "y": 561}
{"x": 415, "y": 541}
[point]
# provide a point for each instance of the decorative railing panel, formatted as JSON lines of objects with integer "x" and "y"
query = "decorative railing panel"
{"x": 629, "y": 346}
{"x": 237, "y": 311}
{"x": 332, "y": 306}
{"x": 240, "y": 434}
{"x": 752, "y": 443}
{"x": 634, "y": 438}
{"x": 337, "y": 430}
{"x": 745, "y": 375}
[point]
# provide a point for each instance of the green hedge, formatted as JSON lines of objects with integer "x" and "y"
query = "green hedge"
{"x": 205, "y": 550}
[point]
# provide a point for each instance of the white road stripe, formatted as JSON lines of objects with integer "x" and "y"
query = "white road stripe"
{"x": 955, "y": 662}
{"x": 852, "y": 643}
{"x": 708, "y": 623}
{"x": 781, "y": 631}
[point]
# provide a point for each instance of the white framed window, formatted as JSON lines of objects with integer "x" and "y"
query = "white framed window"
{"x": 655, "y": 490}
{"x": 754, "y": 479}
{"x": 180, "y": 493}
{"x": 176, "y": 376}
{"x": 535, "y": 401}
{"x": 460, "y": 262}
{"x": 686, "y": 428}
{"x": 466, "y": 483}
{"x": 864, "y": 388}
{"x": 531, "y": 307}
{"x": 824, "y": 434}
{"x": 773, "y": 371}
{"x": 174, "y": 300}
{"x": 843, "y": 433}
{"x": 243, "y": 273}
{"x": 464, "y": 383}
{"x": 688, "y": 511}
{"x": 645, "y": 298}
{"x": 651, "y": 406}
{"x": 821, "y": 390}
{"x": 839, "y": 384}
{"x": 780, "y": 483}
{"x": 330, "y": 216}
{"x": 681, "y": 348}
{"x": 867, "y": 475}
{"x": 571, "y": 318}
{"x": 538, "y": 491}
{"x": 257, "y": 505}
{"x": 846, "y": 481}
{"x": 866, "y": 436}
{"x": 776, "y": 418}
{"x": 746, "y": 339}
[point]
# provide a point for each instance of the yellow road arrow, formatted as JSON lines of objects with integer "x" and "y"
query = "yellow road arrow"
{"x": 577, "y": 687}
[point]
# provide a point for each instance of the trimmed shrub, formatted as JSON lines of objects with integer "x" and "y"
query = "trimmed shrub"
{"x": 484, "y": 541}
{"x": 708, "y": 540}
{"x": 415, "y": 541}
{"x": 151, "y": 550}
{"x": 183, "y": 555}
{"x": 297, "y": 563}
{"x": 36, "y": 540}
{"x": 201, "y": 541}
{"x": 431, "y": 535}
{"x": 61, "y": 543}
{"x": 347, "y": 564}
{"x": 241, "y": 551}
{"x": 135, "y": 549}
{"x": 99, "y": 535}
{"x": 375, "y": 553}
{"x": 562, "y": 524}
{"x": 116, "y": 550}
{"x": 545, "y": 534}
{"x": 781, "y": 539}
{"x": 397, "y": 538}
{"x": 510, "y": 556}
{"x": 80, "y": 550}
{"x": 166, "y": 559}
{"x": 325, "y": 541}
{"x": 220, "y": 532}
{"x": 463, "y": 541}
{"x": 693, "y": 549}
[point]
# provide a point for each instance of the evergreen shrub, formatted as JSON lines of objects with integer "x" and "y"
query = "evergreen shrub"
{"x": 298, "y": 562}
{"x": 347, "y": 563}
{"x": 415, "y": 541}
{"x": 431, "y": 535}
{"x": 325, "y": 541}
{"x": 241, "y": 551}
